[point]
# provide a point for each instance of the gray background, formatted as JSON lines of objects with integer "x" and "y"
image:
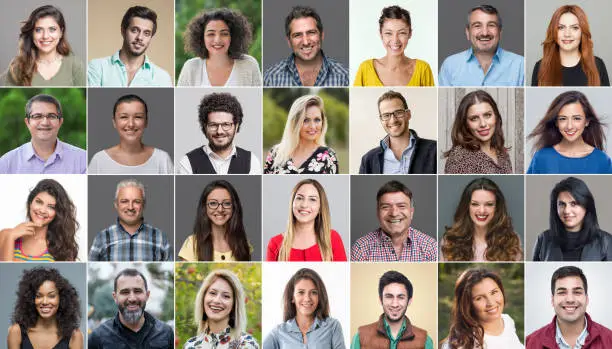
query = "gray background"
{"x": 13, "y": 12}
{"x": 537, "y": 101}
{"x": 159, "y": 132}
{"x": 277, "y": 204}
{"x": 158, "y": 211}
{"x": 510, "y": 102}
{"x": 187, "y": 126}
{"x": 452, "y": 19}
{"x": 364, "y": 217}
{"x": 334, "y": 17}
{"x": 538, "y": 15}
{"x": 537, "y": 204}
{"x": 451, "y": 187}
{"x": 538, "y": 308}
{"x": 188, "y": 191}
{"x": 12, "y": 272}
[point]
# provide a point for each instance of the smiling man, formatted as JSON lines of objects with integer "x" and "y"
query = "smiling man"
{"x": 132, "y": 327}
{"x": 45, "y": 153}
{"x": 130, "y": 238}
{"x": 396, "y": 240}
{"x": 393, "y": 329}
{"x": 485, "y": 63}
{"x": 572, "y": 327}
{"x": 401, "y": 151}
{"x": 130, "y": 66}
{"x": 307, "y": 65}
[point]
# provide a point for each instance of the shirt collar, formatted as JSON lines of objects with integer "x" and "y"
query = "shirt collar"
{"x": 580, "y": 340}
{"x": 384, "y": 143}
{"x": 58, "y": 152}
{"x": 496, "y": 57}
{"x": 209, "y": 152}
{"x": 293, "y": 68}
{"x": 121, "y": 229}
{"x": 388, "y": 329}
{"x": 116, "y": 60}
{"x": 384, "y": 235}
{"x": 293, "y": 326}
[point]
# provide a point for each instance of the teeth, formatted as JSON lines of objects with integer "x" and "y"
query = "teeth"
{"x": 395, "y": 220}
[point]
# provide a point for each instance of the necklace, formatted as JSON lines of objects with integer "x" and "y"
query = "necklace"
{"x": 49, "y": 61}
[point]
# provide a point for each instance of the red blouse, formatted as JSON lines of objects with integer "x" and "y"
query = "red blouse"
{"x": 311, "y": 254}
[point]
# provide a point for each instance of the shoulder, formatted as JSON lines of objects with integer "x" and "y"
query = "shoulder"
{"x": 278, "y": 67}
{"x": 160, "y": 154}
{"x": 546, "y": 151}
{"x": 599, "y": 61}
{"x": 74, "y": 149}
{"x": 511, "y": 55}
{"x": 422, "y": 237}
{"x": 336, "y": 64}
{"x": 76, "y": 338}
{"x": 367, "y": 65}
{"x": 422, "y": 65}
{"x": 368, "y": 239}
{"x": 14, "y": 330}
{"x": 98, "y": 62}
{"x": 247, "y": 60}
{"x": 335, "y": 235}
{"x": 455, "y": 58}
{"x": 458, "y": 151}
{"x": 537, "y": 65}
{"x": 276, "y": 240}
{"x": 192, "y": 64}
{"x": 193, "y": 342}
{"x": 247, "y": 341}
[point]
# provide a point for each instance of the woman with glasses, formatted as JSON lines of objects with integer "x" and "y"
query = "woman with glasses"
{"x": 478, "y": 139}
{"x": 218, "y": 231}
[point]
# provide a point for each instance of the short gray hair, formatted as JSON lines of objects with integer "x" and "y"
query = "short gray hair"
{"x": 130, "y": 182}
{"x": 42, "y": 98}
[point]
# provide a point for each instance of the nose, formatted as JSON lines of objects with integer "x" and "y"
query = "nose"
{"x": 482, "y": 122}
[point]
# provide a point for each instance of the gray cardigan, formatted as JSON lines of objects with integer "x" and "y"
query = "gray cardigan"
{"x": 245, "y": 73}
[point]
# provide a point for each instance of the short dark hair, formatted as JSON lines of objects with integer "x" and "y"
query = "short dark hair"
{"x": 568, "y": 271}
{"x": 44, "y": 99}
{"x": 394, "y": 277}
{"x": 130, "y": 272}
{"x": 131, "y": 98}
{"x": 486, "y": 9}
{"x": 139, "y": 11}
{"x": 302, "y": 12}
{"x": 224, "y": 102}
{"x": 392, "y": 95}
{"x": 394, "y": 12}
{"x": 394, "y": 187}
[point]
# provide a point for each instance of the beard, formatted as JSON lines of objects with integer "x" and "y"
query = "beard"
{"x": 132, "y": 316}
{"x": 220, "y": 147}
{"x": 395, "y": 320}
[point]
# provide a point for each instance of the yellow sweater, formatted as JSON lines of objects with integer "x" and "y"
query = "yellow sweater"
{"x": 367, "y": 76}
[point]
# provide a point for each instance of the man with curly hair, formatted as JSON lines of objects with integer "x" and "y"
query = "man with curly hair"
{"x": 220, "y": 116}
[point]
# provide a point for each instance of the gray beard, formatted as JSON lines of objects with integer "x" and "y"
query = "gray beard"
{"x": 132, "y": 317}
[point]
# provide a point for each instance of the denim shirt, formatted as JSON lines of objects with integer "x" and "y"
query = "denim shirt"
{"x": 322, "y": 334}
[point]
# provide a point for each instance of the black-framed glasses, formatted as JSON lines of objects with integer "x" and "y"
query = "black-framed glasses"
{"x": 398, "y": 114}
{"x": 225, "y": 126}
{"x": 50, "y": 117}
{"x": 214, "y": 204}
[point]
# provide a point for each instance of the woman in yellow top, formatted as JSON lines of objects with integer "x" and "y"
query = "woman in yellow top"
{"x": 394, "y": 69}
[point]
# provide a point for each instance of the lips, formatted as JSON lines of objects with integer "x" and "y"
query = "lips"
{"x": 46, "y": 310}
{"x": 484, "y": 132}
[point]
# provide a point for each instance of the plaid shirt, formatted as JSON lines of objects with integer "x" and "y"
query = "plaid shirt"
{"x": 285, "y": 73}
{"x": 115, "y": 244}
{"x": 376, "y": 246}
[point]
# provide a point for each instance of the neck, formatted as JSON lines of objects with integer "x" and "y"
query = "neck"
{"x": 44, "y": 149}
{"x": 218, "y": 232}
{"x": 398, "y": 240}
{"x": 395, "y": 61}
{"x": 401, "y": 142}
{"x": 40, "y": 233}
{"x": 135, "y": 326}
{"x": 494, "y": 328}
{"x": 571, "y": 329}
{"x": 578, "y": 144}
{"x": 48, "y": 57}
{"x": 314, "y": 63}
{"x": 304, "y": 228}
{"x": 49, "y": 323}
{"x": 395, "y": 326}
{"x": 223, "y": 153}
{"x": 570, "y": 58}
{"x": 217, "y": 326}
{"x": 219, "y": 60}
{"x": 306, "y": 145}
{"x": 480, "y": 233}
{"x": 131, "y": 61}
{"x": 486, "y": 146}
{"x": 131, "y": 147}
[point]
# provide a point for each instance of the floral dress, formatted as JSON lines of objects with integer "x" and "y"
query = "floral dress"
{"x": 322, "y": 161}
{"x": 221, "y": 340}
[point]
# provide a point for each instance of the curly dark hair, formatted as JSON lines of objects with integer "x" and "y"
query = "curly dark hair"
{"x": 68, "y": 314}
{"x": 61, "y": 241}
{"x": 240, "y": 32}
{"x": 224, "y": 102}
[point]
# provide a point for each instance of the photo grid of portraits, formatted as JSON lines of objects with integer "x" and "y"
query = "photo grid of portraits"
{"x": 279, "y": 174}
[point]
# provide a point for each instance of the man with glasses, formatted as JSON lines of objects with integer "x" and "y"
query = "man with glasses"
{"x": 220, "y": 116}
{"x": 44, "y": 154}
{"x": 401, "y": 151}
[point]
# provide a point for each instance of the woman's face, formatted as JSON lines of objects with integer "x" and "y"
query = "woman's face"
{"x": 481, "y": 121}
{"x": 571, "y": 122}
{"x": 395, "y": 34}
{"x": 306, "y": 204}
{"x": 130, "y": 120}
{"x": 219, "y": 300}
{"x": 42, "y": 209}
{"x": 47, "y": 34}
{"x": 221, "y": 198}
{"x": 487, "y": 301}
{"x": 47, "y": 300}
{"x": 217, "y": 37}
{"x": 312, "y": 124}
{"x": 305, "y": 298}
{"x": 570, "y": 212}
{"x": 482, "y": 207}
{"x": 569, "y": 33}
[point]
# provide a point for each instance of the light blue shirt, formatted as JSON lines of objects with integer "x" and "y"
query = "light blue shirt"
{"x": 66, "y": 159}
{"x": 579, "y": 341}
{"x": 110, "y": 71}
{"x": 391, "y": 164}
{"x": 323, "y": 334}
{"x": 463, "y": 69}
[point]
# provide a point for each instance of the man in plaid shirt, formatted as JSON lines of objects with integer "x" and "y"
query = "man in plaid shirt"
{"x": 395, "y": 240}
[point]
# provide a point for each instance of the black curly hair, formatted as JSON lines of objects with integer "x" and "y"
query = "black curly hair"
{"x": 68, "y": 314}
{"x": 224, "y": 102}
{"x": 239, "y": 27}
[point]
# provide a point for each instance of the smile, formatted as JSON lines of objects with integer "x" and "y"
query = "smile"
{"x": 482, "y": 218}
{"x": 484, "y": 132}
{"x": 570, "y": 308}
{"x": 45, "y": 309}
{"x": 567, "y": 42}
{"x": 492, "y": 310}
{"x": 304, "y": 212}
{"x": 395, "y": 221}
{"x": 216, "y": 309}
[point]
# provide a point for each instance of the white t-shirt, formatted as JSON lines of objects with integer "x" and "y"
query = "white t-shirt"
{"x": 158, "y": 163}
{"x": 506, "y": 340}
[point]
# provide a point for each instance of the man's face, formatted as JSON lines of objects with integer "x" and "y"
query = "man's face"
{"x": 398, "y": 117}
{"x": 131, "y": 298}
{"x": 570, "y": 300}
{"x": 130, "y": 205}
{"x": 137, "y": 36}
{"x": 305, "y": 39}
{"x": 43, "y": 122}
{"x": 395, "y": 302}
{"x": 220, "y": 130}
{"x": 395, "y": 213}
{"x": 484, "y": 32}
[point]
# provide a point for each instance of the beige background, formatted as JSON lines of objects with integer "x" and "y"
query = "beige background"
{"x": 104, "y": 35}
{"x": 366, "y": 131}
{"x": 365, "y": 304}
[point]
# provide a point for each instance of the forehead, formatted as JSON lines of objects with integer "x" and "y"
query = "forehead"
{"x": 220, "y": 284}
{"x": 569, "y": 282}
{"x": 142, "y": 23}
{"x": 126, "y": 281}
{"x": 220, "y": 116}
{"x": 45, "y": 197}
{"x": 38, "y": 107}
{"x": 483, "y": 195}
{"x": 305, "y": 284}
{"x": 395, "y": 197}
{"x": 216, "y": 24}
{"x": 572, "y": 109}
{"x": 479, "y": 108}
{"x": 307, "y": 190}
{"x": 389, "y": 105}
{"x": 302, "y": 24}
{"x": 130, "y": 107}
{"x": 480, "y": 16}
{"x": 568, "y": 18}
{"x": 565, "y": 196}
{"x": 395, "y": 24}
{"x": 217, "y": 193}
{"x": 484, "y": 286}
{"x": 312, "y": 111}
{"x": 395, "y": 289}
{"x": 129, "y": 193}
{"x": 46, "y": 22}
{"x": 47, "y": 287}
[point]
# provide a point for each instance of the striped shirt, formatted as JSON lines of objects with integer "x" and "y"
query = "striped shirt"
{"x": 19, "y": 255}
{"x": 115, "y": 244}
{"x": 285, "y": 73}
{"x": 376, "y": 246}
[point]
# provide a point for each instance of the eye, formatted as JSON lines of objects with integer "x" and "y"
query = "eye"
{"x": 38, "y": 30}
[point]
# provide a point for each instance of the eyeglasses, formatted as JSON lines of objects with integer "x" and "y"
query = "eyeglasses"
{"x": 226, "y": 126}
{"x": 399, "y": 114}
{"x": 39, "y": 117}
{"x": 213, "y": 204}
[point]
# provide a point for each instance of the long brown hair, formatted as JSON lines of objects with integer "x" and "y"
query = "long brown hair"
{"x": 289, "y": 311}
{"x": 502, "y": 242}
{"x": 550, "y": 66}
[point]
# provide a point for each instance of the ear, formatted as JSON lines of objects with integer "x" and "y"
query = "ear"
{"x": 26, "y": 122}
{"x": 115, "y": 296}
{"x": 61, "y": 121}
{"x": 467, "y": 34}
{"x": 115, "y": 204}
{"x": 409, "y": 302}
{"x": 289, "y": 43}
{"x": 322, "y": 36}
{"x": 114, "y": 123}
{"x": 409, "y": 115}
{"x": 411, "y": 212}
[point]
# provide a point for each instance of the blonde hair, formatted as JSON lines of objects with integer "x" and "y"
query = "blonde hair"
{"x": 295, "y": 120}
{"x": 322, "y": 225}
{"x": 237, "y": 321}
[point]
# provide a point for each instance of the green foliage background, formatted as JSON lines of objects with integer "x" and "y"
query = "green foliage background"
{"x": 512, "y": 275}
{"x": 276, "y": 105}
{"x": 187, "y": 9}
{"x": 12, "y": 112}
{"x": 189, "y": 277}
